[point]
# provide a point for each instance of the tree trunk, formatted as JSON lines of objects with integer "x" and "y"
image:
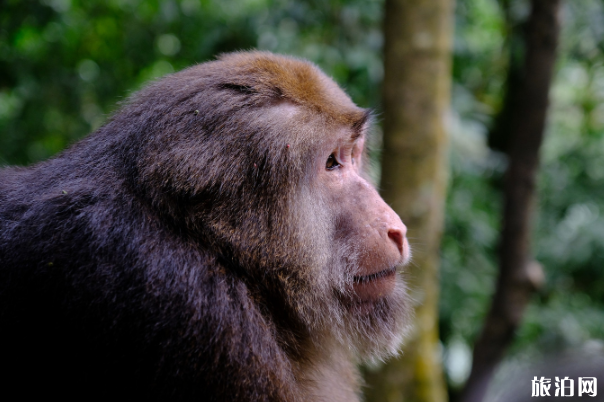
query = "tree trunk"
{"x": 417, "y": 62}
{"x": 519, "y": 276}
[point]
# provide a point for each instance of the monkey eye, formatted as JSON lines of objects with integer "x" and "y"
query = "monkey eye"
{"x": 331, "y": 163}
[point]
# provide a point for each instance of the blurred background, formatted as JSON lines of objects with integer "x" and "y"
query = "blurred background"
{"x": 65, "y": 65}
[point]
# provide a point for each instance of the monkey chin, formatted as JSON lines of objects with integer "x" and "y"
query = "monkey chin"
{"x": 378, "y": 315}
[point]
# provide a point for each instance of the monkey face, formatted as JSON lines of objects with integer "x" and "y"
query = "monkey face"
{"x": 364, "y": 224}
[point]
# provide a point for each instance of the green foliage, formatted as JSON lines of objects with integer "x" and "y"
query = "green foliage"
{"x": 569, "y": 310}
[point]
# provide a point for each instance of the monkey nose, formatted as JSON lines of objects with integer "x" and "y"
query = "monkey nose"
{"x": 398, "y": 237}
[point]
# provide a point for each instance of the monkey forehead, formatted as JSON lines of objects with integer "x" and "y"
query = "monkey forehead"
{"x": 290, "y": 79}
{"x": 306, "y": 127}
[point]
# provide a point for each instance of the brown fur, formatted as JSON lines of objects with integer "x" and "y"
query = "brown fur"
{"x": 201, "y": 246}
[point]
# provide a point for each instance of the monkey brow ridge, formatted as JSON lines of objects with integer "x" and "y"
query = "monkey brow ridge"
{"x": 358, "y": 127}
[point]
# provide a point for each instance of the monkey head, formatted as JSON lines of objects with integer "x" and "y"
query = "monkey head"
{"x": 260, "y": 158}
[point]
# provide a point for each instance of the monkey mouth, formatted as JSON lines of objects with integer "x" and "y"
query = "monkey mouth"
{"x": 368, "y": 289}
{"x": 363, "y": 279}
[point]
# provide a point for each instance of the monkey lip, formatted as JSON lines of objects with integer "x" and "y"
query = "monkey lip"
{"x": 374, "y": 286}
{"x": 363, "y": 279}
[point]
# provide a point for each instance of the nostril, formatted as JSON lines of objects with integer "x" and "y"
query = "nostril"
{"x": 397, "y": 237}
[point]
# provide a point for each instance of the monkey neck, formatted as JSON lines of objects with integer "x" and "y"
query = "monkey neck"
{"x": 330, "y": 376}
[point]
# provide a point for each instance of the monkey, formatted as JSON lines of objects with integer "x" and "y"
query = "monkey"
{"x": 217, "y": 239}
